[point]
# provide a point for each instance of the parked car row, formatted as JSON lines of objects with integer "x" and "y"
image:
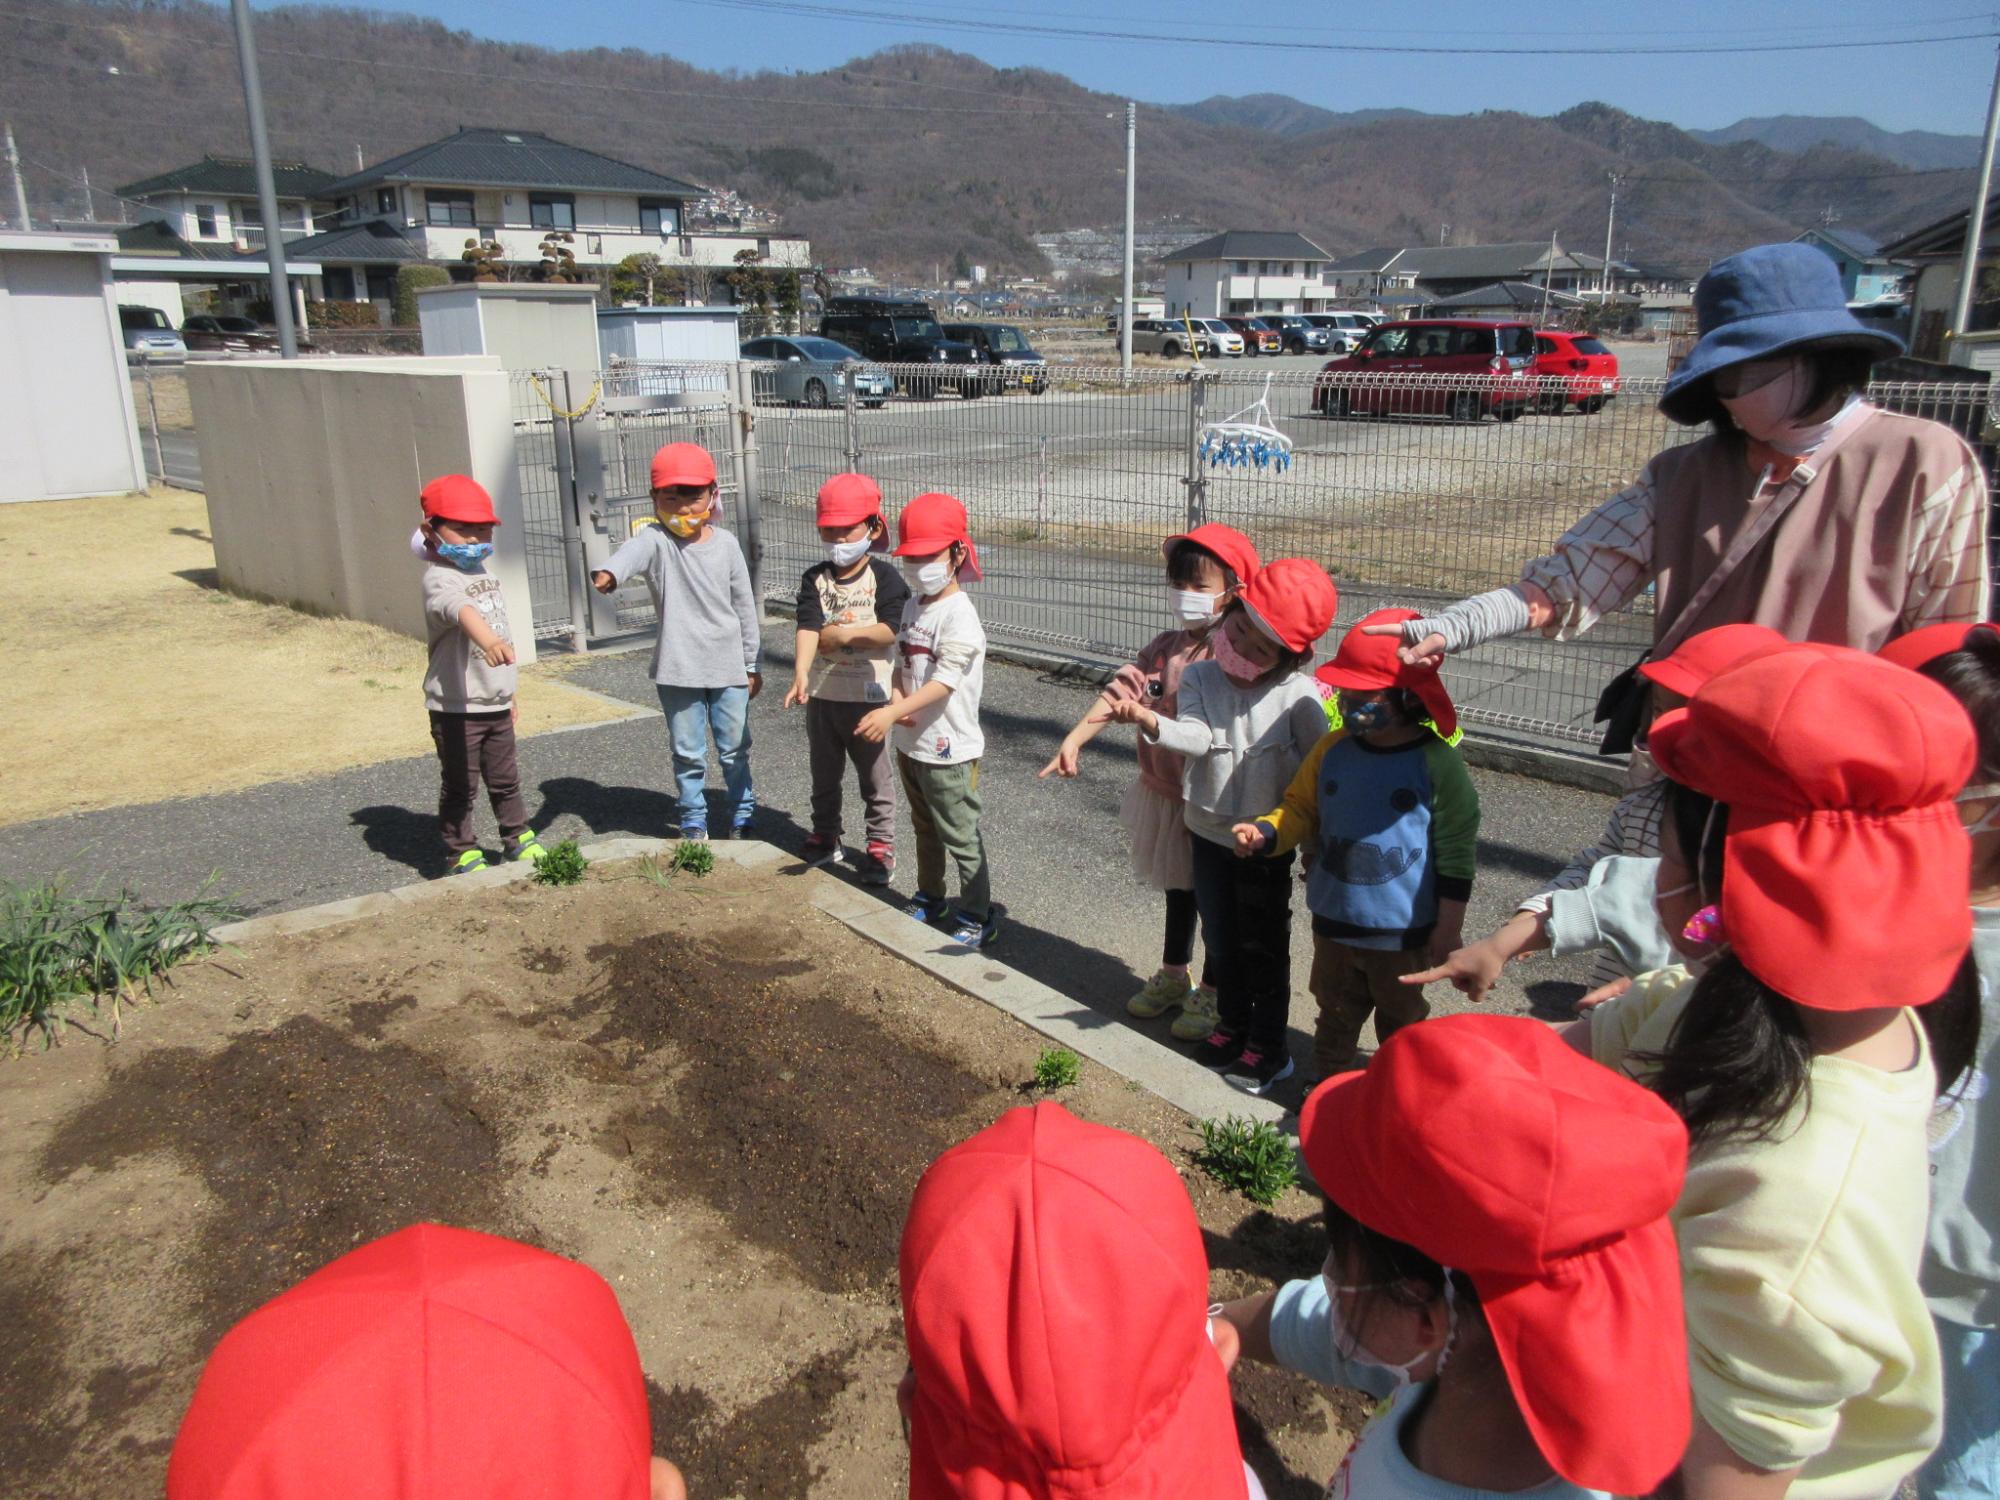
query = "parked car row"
{"x": 1467, "y": 368}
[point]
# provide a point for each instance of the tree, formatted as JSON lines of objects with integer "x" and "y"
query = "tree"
{"x": 751, "y": 286}
{"x": 961, "y": 265}
{"x": 408, "y": 280}
{"x": 485, "y": 258}
{"x": 638, "y": 278}
{"x": 558, "y": 259}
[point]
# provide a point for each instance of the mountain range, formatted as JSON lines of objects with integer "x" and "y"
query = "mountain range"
{"x": 915, "y": 155}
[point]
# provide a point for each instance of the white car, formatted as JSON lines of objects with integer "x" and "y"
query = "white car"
{"x": 1226, "y": 339}
{"x": 1346, "y": 330}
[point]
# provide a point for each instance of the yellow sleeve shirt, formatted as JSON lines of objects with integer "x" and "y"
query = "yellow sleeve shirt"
{"x": 1809, "y": 1342}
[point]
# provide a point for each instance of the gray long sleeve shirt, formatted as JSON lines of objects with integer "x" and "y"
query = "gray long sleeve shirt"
{"x": 708, "y": 612}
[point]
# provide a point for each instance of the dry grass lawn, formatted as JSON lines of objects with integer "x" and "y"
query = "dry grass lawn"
{"x": 170, "y": 394}
{"x": 132, "y": 678}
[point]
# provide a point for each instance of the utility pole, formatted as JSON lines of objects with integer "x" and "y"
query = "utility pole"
{"x": 267, "y": 189}
{"x": 20, "y": 188}
{"x": 89, "y": 203}
{"x": 1131, "y": 200}
{"x": 1604, "y": 281}
{"x": 1968, "y": 270}
{"x": 1548, "y": 275}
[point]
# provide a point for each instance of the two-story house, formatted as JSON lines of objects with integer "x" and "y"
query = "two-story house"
{"x": 1448, "y": 270}
{"x": 214, "y": 201}
{"x": 1246, "y": 271}
{"x": 1865, "y": 272}
{"x": 512, "y": 188}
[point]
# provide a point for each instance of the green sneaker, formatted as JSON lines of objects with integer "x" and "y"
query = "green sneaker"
{"x": 528, "y": 847}
{"x": 472, "y": 859}
{"x": 1165, "y": 990}
{"x": 1198, "y": 1016}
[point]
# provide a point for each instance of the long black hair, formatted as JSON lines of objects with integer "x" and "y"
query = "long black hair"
{"x": 1971, "y": 674}
{"x": 1389, "y": 1268}
{"x": 1837, "y": 370}
{"x": 1739, "y": 1058}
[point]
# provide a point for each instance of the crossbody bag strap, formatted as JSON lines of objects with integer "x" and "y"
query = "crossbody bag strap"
{"x": 1748, "y": 539}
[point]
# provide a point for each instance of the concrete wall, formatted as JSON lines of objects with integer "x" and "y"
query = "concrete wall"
{"x": 67, "y": 427}
{"x": 313, "y": 470}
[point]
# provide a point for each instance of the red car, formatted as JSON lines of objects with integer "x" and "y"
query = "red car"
{"x": 1259, "y": 337}
{"x": 1574, "y": 369}
{"x": 1462, "y": 368}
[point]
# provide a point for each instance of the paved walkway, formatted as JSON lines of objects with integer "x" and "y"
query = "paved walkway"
{"x": 1079, "y": 922}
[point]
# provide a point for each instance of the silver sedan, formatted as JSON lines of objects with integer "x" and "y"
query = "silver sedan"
{"x": 812, "y": 371}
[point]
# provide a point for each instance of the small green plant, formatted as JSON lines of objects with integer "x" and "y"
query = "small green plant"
{"x": 1056, "y": 1068}
{"x": 563, "y": 865}
{"x": 1252, "y": 1156}
{"x": 57, "y": 947}
{"x": 693, "y": 856}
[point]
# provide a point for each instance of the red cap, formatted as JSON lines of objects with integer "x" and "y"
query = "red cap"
{"x": 929, "y": 524}
{"x": 1366, "y": 663}
{"x": 1292, "y": 601}
{"x": 432, "y": 1362}
{"x": 1839, "y": 772}
{"x": 458, "y": 497}
{"x": 1496, "y": 1149}
{"x": 1055, "y": 1296}
{"x": 1921, "y": 647}
{"x": 1237, "y": 552}
{"x": 1702, "y": 655}
{"x": 683, "y": 464}
{"x": 847, "y": 499}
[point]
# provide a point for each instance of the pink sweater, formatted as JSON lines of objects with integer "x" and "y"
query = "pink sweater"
{"x": 1154, "y": 679}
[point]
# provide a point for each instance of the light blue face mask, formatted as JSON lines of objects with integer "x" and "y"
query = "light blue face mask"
{"x": 465, "y": 556}
{"x": 1363, "y": 716}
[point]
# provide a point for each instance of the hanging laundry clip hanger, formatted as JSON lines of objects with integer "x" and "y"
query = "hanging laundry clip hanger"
{"x": 1249, "y": 437}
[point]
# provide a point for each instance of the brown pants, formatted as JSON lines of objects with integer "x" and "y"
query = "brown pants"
{"x": 470, "y": 746}
{"x": 831, "y": 745}
{"x": 1352, "y": 983}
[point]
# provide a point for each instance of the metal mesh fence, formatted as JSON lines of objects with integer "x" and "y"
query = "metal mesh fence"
{"x": 1411, "y": 490}
{"x": 535, "y": 398}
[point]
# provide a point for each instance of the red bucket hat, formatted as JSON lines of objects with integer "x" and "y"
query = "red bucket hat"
{"x": 1496, "y": 1149}
{"x": 929, "y": 524}
{"x": 1055, "y": 1296}
{"x": 457, "y": 497}
{"x": 1921, "y": 647}
{"x": 1708, "y": 652}
{"x": 1292, "y": 601}
{"x": 431, "y": 1362}
{"x": 847, "y": 499}
{"x": 1236, "y": 551}
{"x": 683, "y": 464}
{"x": 1838, "y": 770}
{"x": 1366, "y": 663}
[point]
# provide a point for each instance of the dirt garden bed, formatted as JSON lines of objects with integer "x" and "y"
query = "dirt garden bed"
{"x": 715, "y": 1094}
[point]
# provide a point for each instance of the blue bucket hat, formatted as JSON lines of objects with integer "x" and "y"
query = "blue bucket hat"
{"x": 1768, "y": 299}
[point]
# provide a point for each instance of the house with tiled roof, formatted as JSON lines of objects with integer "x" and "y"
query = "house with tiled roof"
{"x": 1246, "y": 271}
{"x": 213, "y": 202}
{"x": 1447, "y": 270}
{"x": 1866, "y": 273}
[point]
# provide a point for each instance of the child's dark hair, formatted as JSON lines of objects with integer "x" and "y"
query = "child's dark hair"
{"x": 1971, "y": 674}
{"x": 1184, "y": 564}
{"x": 1838, "y": 370}
{"x": 1389, "y": 1268}
{"x": 1738, "y": 1058}
{"x": 1289, "y": 661}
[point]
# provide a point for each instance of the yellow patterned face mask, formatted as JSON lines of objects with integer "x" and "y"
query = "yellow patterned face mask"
{"x": 686, "y": 526}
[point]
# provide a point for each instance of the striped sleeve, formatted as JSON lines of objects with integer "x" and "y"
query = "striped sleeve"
{"x": 1601, "y": 563}
{"x": 1948, "y": 580}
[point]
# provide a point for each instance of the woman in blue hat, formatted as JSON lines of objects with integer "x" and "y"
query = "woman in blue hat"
{"x": 1805, "y": 508}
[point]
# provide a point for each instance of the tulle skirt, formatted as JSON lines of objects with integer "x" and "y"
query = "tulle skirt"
{"x": 1161, "y": 853}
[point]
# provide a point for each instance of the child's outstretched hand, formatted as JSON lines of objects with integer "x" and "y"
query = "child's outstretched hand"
{"x": 603, "y": 582}
{"x": 876, "y": 723}
{"x": 1063, "y": 763}
{"x": 1610, "y": 990}
{"x": 1473, "y": 970}
{"x": 1249, "y": 840}
{"x": 797, "y": 694}
{"x": 499, "y": 654}
{"x": 1131, "y": 711}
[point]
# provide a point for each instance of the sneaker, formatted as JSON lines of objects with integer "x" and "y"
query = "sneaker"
{"x": 1218, "y": 1049}
{"x": 926, "y": 908}
{"x": 1165, "y": 990}
{"x": 692, "y": 835}
{"x": 528, "y": 847}
{"x": 738, "y": 831}
{"x": 971, "y": 932}
{"x": 1199, "y": 1015}
{"x": 823, "y": 849}
{"x": 878, "y": 865}
{"x": 1258, "y": 1072}
{"x": 466, "y": 863}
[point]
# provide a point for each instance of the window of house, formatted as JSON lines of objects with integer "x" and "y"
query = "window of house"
{"x": 1243, "y": 268}
{"x": 552, "y": 211}
{"x": 204, "y": 220}
{"x": 448, "y": 210}
{"x": 763, "y": 249}
{"x": 657, "y": 217}
{"x": 385, "y": 200}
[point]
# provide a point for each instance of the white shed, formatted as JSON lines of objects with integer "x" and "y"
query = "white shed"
{"x": 673, "y": 335}
{"x": 67, "y": 426}
{"x": 531, "y": 325}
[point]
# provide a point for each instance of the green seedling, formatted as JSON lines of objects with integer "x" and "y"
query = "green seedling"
{"x": 694, "y": 857}
{"x": 57, "y": 947}
{"x": 1253, "y": 1157}
{"x": 563, "y": 865}
{"x": 1057, "y": 1068}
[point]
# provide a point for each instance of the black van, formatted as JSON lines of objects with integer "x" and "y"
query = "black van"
{"x": 1006, "y": 346}
{"x": 902, "y": 333}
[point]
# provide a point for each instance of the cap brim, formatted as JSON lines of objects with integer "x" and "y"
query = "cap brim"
{"x": 1793, "y": 889}
{"x": 1577, "y": 1349}
{"x": 1672, "y": 676}
{"x": 1688, "y": 399}
{"x": 930, "y": 546}
{"x": 1430, "y": 691}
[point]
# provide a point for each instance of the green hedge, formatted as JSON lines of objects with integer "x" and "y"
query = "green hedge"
{"x": 408, "y": 280}
{"x": 343, "y": 315}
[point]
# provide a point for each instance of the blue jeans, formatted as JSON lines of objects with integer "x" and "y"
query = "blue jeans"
{"x": 692, "y": 715}
{"x": 1966, "y": 1465}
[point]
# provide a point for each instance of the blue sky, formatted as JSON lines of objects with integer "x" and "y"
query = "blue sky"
{"x": 1939, "y": 87}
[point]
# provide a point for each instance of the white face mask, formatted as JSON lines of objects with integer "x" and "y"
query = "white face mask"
{"x": 847, "y": 554}
{"x": 1769, "y": 413}
{"x": 1347, "y": 1344}
{"x": 929, "y": 579}
{"x": 1194, "y": 609}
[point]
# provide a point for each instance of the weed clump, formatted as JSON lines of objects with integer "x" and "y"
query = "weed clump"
{"x": 1253, "y": 1157}
{"x": 693, "y": 856}
{"x": 1057, "y": 1068}
{"x": 564, "y": 864}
